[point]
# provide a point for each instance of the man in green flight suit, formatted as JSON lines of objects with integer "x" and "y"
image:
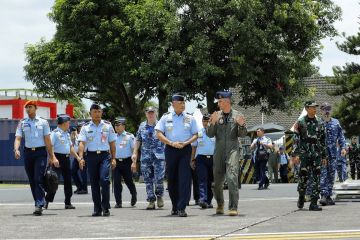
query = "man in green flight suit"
{"x": 310, "y": 149}
{"x": 226, "y": 126}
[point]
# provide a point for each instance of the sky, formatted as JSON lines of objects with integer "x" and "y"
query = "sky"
{"x": 26, "y": 21}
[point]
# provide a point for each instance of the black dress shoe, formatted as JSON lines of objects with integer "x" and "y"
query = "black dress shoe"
{"x": 197, "y": 202}
{"x": 76, "y": 191}
{"x": 118, "y": 205}
{"x": 174, "y": 212}
{"x": 314, "y": 207}
{"x": 69, "y": 206}
{"x": 301, "y": 200}
{"x": 260, "y": 188}
{"x": 106, "y": 213}
{"x": 182, "y": 213}
{"x": 323, "y": 201}
{"x": 133, "y": 200}
{"x": 82, "y": 192}
{"x": 96, "y": 214}
{"x": 46, "y": 205}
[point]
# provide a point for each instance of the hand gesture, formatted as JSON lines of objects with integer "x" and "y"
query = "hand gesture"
{"x": 215, "y": 116}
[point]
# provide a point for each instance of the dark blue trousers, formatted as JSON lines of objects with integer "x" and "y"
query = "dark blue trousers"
{"x": 64, "y": 170}
{"x": 35, "y": 165}
{"x": 283, "y": 173}
{"x": 260, "y": 166}
{"x": 123, "y": 169}
{"x": 79, "y": 176}
{"x": 99, "y": 169}
{"x": 179, "y": 175}
{"x": 204, "y": 168}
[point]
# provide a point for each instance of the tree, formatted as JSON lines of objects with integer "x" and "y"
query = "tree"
{"x": 348, "y": 80}
{"x": 114, "y": 52}
{"x": 263, "y": 48}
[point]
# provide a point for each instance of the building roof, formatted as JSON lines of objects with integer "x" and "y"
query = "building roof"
{"x": 254, "y": 116}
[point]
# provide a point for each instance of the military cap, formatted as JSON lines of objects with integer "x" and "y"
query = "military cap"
{"x": 95, "y": 106}
{"x": 325, "y": 106}
{"x": 311, "y": 103}
{"x": 61, "y": 118}
{"x": 31, "y": 102}
{"x": 120, "y": 121}
{"x": 80, "y": 124}
{"x": 150, "y": 109}
{"x": 281, "y": 148}
{"x": 206, "y": 117}
{"x": 223, "y": 94}
{"x": 178, "y": 97}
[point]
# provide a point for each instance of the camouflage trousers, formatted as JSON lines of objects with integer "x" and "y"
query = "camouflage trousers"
{"x": 327, "y": 176}
{"x": 355, "y": 167}
{"x": 153, "y": 170}
{"x": 309, "y": 170}
{"x": 341, "y": 171}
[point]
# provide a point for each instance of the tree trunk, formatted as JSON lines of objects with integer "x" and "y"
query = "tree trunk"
{"x": 163, "y": 101}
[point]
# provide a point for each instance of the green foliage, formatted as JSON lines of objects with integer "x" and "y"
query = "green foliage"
{"x": 123, "y": 53}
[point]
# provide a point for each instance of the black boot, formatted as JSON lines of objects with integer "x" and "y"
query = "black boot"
{"x": 323, "y": 201}
{"x": 329, "y": 201}
{"x": 314, "y": 207}
{"x": 301, "y": 200}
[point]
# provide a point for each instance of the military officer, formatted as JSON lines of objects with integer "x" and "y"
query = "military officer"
{"x": 334, "y": 135}
{"x": 202, "y": 161}
{"x": 62, "y": 146}
{"x": 178, "y": 130}
{"x": 354, "y": 158}
{"x": 152, "y": 159}
{"x": 124, "y": 147}
{"x": 36, "y": 132}
{"x": 310, "y": 150}
{"x": 226, "y": 125}
{"x": 100, "y": 137}
{"x": 79, "y": 176}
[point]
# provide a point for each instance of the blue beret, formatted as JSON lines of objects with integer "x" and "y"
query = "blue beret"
{"x": 223, "y": 94}
{"x": 178, "y": 97}
{"x": 120, "y": 121}
{"x": 62, "y": 118}
{"x": 95, "y": 106}
{"x": 325, "y": 106}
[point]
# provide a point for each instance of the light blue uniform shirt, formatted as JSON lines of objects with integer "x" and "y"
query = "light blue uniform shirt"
{"x": 204, "y": 145}
{"x": 61, "y": 141}
{"x": 177, "y": 128}
{"x": 33, "y": 130}
{"x": 124, "y": 145}
{"x": 76, "y": 144}
{"x": 98, "y": 137}
{"x": 283, "y": 159}
{"x": 262, "y": 139}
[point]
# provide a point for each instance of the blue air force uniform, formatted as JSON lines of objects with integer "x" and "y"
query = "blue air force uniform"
{"x": 334, "y": 134}
{"x": 124, "y": 148}
{"x": 35, "y": 155}
{"x": 61, "y": 142}
{"x": 341, "y": 166}
{"x": 205, "y": 147}
{"x": 79, "y": 176}
{"x": 178, "y": 128}
{"x": 152, "y": 161}
{"x": 97, "y": 139}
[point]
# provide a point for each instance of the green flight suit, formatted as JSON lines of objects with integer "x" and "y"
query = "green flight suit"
{"x": 310, "y": 146}
{"x": 226, "y": 156}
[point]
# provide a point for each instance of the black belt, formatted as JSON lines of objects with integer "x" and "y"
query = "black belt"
{"x": 122, "y": 159}
{"x": 98, "y": 152}
{"x": 207, "y": 156}
{"x": 62, "y": 155}
{"x": 35, "y": 148}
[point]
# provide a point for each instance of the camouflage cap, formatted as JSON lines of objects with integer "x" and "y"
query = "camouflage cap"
{"x": 311, "y": 103}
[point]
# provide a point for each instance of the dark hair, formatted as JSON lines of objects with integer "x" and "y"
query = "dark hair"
{"x": 261, "y": 129}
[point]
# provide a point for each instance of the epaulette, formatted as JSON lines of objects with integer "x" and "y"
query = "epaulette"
{"x": 107, "y": 122}
{"x": 56, "y": 130}
{"x": 189, "y": 113}
{"x": 167, "y": 113}
{"x": 87, "y": 123}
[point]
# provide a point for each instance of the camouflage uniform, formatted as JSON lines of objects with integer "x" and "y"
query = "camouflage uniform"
{"x": 152, "y": 161}
{"x": 354, "y": 159}
{"x": 226, "y": 156}
{"x": 310, "y": 146}
{"x": 334, "y": 134}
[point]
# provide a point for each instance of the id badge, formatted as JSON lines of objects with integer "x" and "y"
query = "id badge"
{"x": 103, "y": 138}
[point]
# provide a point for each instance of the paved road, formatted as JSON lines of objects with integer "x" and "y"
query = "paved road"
{"x": 266, "y": 214}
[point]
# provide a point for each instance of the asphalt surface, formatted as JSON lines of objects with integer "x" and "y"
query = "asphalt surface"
{"x": 264, "y": 214}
